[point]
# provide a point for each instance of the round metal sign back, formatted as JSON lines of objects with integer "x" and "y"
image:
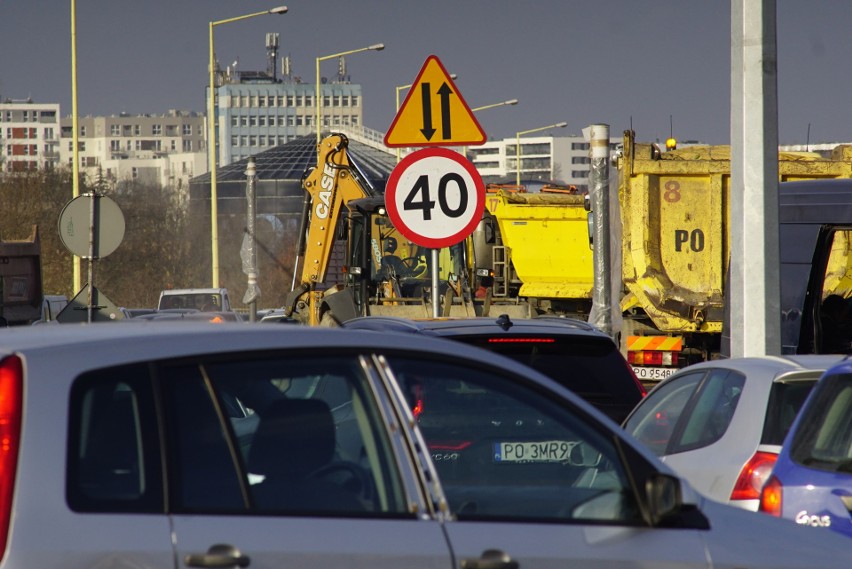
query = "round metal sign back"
{"x": 75, "y": 219}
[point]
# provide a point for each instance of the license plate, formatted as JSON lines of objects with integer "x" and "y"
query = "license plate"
{"x": 653, "y": 372}
{"x": 540, "y": 451}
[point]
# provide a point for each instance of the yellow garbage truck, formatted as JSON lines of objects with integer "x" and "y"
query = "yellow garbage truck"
{"x": 673, "y": 220}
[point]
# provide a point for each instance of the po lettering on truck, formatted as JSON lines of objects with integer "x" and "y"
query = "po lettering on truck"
{"x": 691, "y": 240}
{"x": 327, "y": 183}
{"x": 683, "y": 239}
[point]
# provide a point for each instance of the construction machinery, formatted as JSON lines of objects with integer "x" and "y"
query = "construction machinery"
{"x": 675, "y": 211}
{"x": 351, "y": 260}
{"x": 673, "y": 220}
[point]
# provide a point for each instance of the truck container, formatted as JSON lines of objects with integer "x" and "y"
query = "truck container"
{"x": 675, "y": 208}
{"x": 544, "y": 255}
{"x": 20, "y": 280}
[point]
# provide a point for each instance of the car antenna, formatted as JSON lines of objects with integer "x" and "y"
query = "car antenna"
{"x": 504, "y": 322}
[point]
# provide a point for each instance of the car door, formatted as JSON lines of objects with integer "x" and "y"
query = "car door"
{"x": 686, "y": 421}
{"x": 532, "y": 480}
{"x": 283, "y": 460}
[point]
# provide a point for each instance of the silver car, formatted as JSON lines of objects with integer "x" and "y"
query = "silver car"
{"x": 721, "y": 424}
{"x": 196, "y": 445}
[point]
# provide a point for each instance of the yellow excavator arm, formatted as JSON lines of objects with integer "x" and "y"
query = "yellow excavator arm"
{"x": 330, "y": 186}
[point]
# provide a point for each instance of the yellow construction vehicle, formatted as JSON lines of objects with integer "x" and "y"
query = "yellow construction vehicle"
{"x": 355, "y": 263}
{"x": 675, "y": 209}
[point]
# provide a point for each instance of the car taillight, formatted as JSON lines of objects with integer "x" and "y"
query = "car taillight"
{"x": 770, "y": 497}
{"x": 653, "y": 358}
{"x": 11, "y": 386}
{"x": 753, "y": 476}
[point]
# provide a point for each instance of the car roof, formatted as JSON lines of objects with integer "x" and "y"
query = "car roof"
{"x": 110, "y": 342}
{"x": 771, "y": 366}
{"x": 455, "y": 326}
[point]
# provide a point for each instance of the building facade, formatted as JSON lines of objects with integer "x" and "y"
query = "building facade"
{"x": 167, "y": 149}
{"x": 545, "y": 158}
{"x": 255, "y": 111}
{"x": 29, "y": 136}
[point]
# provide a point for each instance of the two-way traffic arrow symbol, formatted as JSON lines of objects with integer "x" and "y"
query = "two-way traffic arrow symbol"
{"x": 426, "y": 99}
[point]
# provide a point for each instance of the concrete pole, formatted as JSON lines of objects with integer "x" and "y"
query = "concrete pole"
{"x": 249, "y": 252}
{"x": 601, "y": 314}
{"x": 754, "y": 297}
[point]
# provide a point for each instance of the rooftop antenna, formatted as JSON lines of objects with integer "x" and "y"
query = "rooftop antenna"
{"x": 271, "y": 55}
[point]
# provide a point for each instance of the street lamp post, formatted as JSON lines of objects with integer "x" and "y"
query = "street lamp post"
{"x": 318, "y": 102}
{"x": 518, "y": 146}
{"x": 503, "y": 104}
{"x": 211, "y": 140}
{"x": 491, "y": 106}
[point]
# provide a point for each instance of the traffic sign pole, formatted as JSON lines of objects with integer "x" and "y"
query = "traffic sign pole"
{"x": 434, "y": 197}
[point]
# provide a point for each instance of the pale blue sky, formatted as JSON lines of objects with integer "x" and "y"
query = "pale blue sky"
{"x": 607, "y": 61}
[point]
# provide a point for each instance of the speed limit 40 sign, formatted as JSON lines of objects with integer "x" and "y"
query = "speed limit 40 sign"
{"x": 435, "y": 197}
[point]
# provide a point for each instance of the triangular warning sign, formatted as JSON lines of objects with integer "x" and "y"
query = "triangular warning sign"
{"x": 434, "y": 113}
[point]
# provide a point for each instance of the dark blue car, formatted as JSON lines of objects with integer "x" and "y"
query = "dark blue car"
{"x": 812, "y": 479}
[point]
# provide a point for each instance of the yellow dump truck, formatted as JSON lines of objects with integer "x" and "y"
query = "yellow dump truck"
{"x": 675, "y": 208}
{"x": 674, "y": 211}
{"x": 545, "y": 256}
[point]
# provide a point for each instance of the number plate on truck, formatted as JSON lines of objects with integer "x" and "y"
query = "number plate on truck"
{"x": 653, "y": 372}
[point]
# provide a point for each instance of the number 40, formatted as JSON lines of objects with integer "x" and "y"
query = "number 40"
{"x": 420, "y": 196}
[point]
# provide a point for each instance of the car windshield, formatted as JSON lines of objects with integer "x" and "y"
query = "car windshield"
{"x": 824, "y": 438}
{"x": 591, "y": 368}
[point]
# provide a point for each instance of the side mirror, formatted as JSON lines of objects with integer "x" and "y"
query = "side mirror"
{"x": 664, "y": 497}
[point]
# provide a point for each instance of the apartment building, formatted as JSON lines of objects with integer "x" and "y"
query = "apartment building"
{"x": 542, "y": 158}
{"x": 29, "y": 135}
{"x": 167, "y": 149}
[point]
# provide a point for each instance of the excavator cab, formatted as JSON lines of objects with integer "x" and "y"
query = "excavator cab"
{"x": 386, "y": 269}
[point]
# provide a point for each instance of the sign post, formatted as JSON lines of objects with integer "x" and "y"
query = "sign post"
{"x": 434, "y": 196}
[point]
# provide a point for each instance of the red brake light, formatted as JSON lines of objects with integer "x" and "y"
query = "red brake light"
{"x": 449, "y": 445}
{"x": 770, "y": 497}
{"x": 753, "y": 476}
{"x": 11, "y": 387}
{"x": 521, "y": 340}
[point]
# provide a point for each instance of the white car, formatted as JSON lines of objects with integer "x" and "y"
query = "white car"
{"x": 190, "y": 445}
{"x": 720, "y": 424}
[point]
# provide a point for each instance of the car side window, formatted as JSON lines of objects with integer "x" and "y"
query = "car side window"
{"x": 504, "y": 451}
{"x": 711, "y": 412}
{"x": 654, "y": 420}
{"x": 281, "y": 435}
{"x": 113, "y": 450}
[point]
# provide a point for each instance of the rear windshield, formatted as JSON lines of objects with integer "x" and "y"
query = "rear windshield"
{"x": 785, "y": 401}
{"x": 592, "y": 368}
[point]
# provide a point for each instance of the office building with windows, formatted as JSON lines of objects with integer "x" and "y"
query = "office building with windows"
{"x": 29, "y": 135}
{"x": 560, "y": 159}
{"x": 258, "y": 110}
